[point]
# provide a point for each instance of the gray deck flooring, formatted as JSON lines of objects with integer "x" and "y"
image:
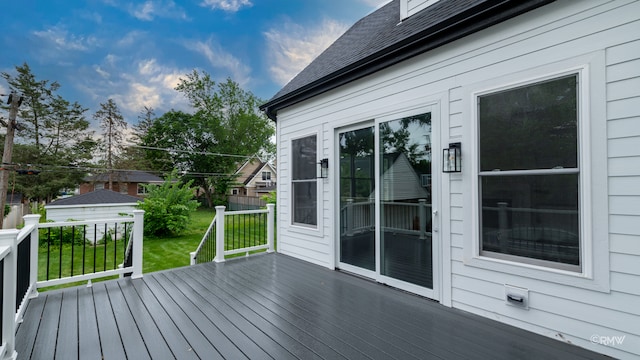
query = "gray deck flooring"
{"x": 266, "y": 306}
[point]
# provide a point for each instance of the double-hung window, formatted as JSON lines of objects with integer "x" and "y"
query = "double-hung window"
{"x": 304, "y": 182}
{"x": 529, "y": 173}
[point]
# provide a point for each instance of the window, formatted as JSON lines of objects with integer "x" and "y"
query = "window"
{"x": 142, "y": 190}
{"x": 124, "y": 188}
{"x": 98, "y": 186}
{"x": 304, "y": 182}
{"x": 529, "y": 174}
{"x": 234, "y": 192}
{"x": 266, "y": 175}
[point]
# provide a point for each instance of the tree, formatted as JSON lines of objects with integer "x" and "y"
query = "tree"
{"x": 168, "y": 206}
{"x": 113, "y": 127}
{"x": 226, "y": 128}
{"x": 36, "y": 107}
{"x": 133, "y": 157}
{"x": 53, "y": 137}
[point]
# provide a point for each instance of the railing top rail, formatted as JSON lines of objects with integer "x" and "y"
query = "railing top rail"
{"x": 24, "y": 232}
{"x": 529, "y": 210}
{"x": 204, "y": 238}
{"x": 85, "y": 222}
{"x": 4, "y": 251}
{"x": 246, "y": 212}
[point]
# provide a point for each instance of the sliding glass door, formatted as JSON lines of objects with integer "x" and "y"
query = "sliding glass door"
{"x": 357, "y": 198}
{"x": 385, "y": 203}
{"x": 405, "y": 222}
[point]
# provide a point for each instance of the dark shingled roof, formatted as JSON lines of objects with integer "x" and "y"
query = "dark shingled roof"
{"x": 380, "y": 40}
{"x": 97, "y": 197}
{"x": 132, "y": 176}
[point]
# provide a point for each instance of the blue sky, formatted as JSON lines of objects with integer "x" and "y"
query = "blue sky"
{"x": 135, "y": 51}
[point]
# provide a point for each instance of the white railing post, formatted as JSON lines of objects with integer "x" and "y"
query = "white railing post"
{"x": 192, "y": 257}
{"x": 422, "y": 215}
{"x": 219, "y": 234}
{"x": 350, "y": 219}
{"x": 33, "y": 274}
{"x": 138, "y": 235}
{"x": 271, "y": 212}
{"x": 9, "y": 238}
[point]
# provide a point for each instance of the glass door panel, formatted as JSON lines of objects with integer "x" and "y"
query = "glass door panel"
{"x": 405, "y": 200}
{"x": 357, "y": 198}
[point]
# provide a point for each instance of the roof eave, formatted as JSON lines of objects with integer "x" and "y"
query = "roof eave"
{"x": 466, "y": 23}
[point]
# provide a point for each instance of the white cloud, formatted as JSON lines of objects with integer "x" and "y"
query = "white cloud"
{"x": 219, "y": 58}
{"x": 131, "y": 38}
{"x": 292, "y": 47}
{"x": 375, "y": 3}
{"x": 60, "y": 38}
{"x": 151, "y": 9}
{"x": 226, "y": 5}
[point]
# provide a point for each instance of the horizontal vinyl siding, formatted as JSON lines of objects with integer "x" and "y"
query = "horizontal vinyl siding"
{"x": 553, "y": 33}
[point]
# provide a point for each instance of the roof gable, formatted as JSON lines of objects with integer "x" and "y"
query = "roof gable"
{"x": 379, "y": 40}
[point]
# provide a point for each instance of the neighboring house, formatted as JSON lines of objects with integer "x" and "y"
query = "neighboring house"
{"x": 124, "y": 182}
{"x": 254, "y": 178}
{"x": 99, "y": 204}
{"x": 539, "y": 229}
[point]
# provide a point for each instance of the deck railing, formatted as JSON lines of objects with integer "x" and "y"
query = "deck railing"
{"x": 20, "y": 252}
{"x": 236, "y": 232}
{"x": 399, "y": 217}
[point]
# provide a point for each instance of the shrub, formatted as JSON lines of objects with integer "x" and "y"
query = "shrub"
{"x": 168, "y": 207}
{"x": 68, "y": 235}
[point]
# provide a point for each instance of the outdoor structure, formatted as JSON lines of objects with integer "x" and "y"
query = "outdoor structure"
{"x": 520, "y": 121}
{"x": 124, "y": 182}
{"x": 254, "y": 178}
{"x": 99, "y": 204}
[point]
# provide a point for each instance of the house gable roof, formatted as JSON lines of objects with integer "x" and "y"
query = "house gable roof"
{"x": 130, "y": 176}
{"x": 379, "y": 40}
{"x": 96, "y": 197}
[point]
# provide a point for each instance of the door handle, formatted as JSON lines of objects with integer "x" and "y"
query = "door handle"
{"x": 435, "y": 212}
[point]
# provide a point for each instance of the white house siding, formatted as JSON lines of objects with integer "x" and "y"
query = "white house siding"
{"x": 603, "y": 34}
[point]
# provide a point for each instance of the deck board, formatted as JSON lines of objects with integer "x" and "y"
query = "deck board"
{"x": 88, "y": 335}
{"x": 67, "y": 342}
{"x": 261, "y": 307}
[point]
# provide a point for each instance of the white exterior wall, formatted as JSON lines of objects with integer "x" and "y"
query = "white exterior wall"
{"x": 604, "y": 37}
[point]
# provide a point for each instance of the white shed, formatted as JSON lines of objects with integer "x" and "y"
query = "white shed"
{"x": 539, "y": 228}
{"x": 99, "y": 204}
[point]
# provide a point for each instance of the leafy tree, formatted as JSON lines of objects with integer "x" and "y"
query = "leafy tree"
{"x": 113, "y": 126}
{"x": 226, "y": 121}
{"x": 168, "y": 206}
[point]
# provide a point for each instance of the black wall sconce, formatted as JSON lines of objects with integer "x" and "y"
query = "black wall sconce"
{"x": 452, "y": 158}
{"x": 324, "y": 168}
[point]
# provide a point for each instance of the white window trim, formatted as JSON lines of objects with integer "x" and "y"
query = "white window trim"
{"x": 315, "y": 230}
{"x": 594, "y": 273}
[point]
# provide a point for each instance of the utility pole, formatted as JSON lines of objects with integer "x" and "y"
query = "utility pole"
{"x": 14, "y": 100}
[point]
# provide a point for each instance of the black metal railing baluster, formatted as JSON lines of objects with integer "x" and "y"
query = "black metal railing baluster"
{"x": 95, "y": 245}
{"x": 24, "y": 269}
{"x": 60, "y": 257}
{"x": 84, "y": 246}
{"x": 73, "y": 241}
{"x": 104, "y": 258}
{"x": 115, "y": 245}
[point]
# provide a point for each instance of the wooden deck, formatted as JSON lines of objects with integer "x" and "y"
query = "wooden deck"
{"x": 266, "y": 306}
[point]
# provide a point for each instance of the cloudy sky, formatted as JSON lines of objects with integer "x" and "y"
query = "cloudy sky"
{"x": 135, "y": 51}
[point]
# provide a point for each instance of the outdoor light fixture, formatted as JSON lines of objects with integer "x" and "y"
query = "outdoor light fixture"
{"x": 324, "y": 168}
{"x": 451, "y": 158}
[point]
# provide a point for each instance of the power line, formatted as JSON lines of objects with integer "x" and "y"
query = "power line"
{"x": 192, "y": 152}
